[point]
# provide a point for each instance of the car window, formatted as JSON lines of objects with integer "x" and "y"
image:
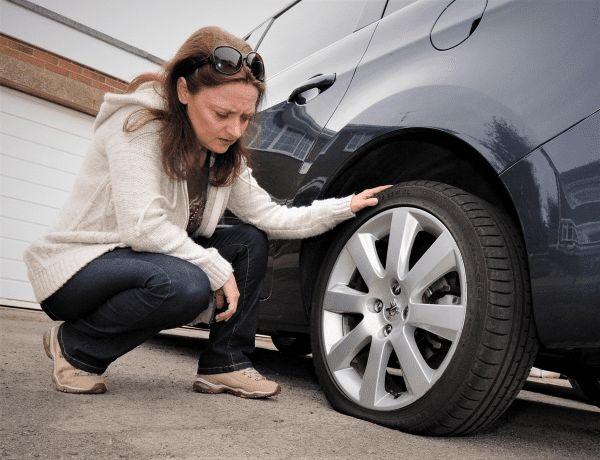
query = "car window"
{"x": 306, "y": 28}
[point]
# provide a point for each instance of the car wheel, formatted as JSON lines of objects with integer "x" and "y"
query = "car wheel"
{"x": 297, "y": 346}
{"x": 422, "y": 314}
{"x": 588, "y": 386}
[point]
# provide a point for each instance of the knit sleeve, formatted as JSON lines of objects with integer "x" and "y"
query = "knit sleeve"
{"x": 148, "y": 204}
{"x": 253, "y": 204}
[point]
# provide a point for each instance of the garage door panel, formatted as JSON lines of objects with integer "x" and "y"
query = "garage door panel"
{"x": 43, "y": 135}
{"x": 21, "y": 231}
{"x": 28, "y": 212}
{"x": 27, "y": 191}
{"x": 14, "y": 270}
{"x": 18, "y": 290}
{"x": 37, "y": 174}
{"x": 47, "y": 114}
{"x": 15, "y": 147}
{"x": 12, "y": 249}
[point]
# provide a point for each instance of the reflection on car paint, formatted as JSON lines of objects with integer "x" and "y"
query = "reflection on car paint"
{"x": 557, "y": 194}
{"x": 287, "y": 132}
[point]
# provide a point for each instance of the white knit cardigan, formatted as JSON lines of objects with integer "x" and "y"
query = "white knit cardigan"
{"x": 123, "y": 198}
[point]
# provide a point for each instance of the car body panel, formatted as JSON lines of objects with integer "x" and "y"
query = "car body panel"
{"x": 505, "y": 94}
{"x": 556, "y": 190}
{"x": 524, "y": 104}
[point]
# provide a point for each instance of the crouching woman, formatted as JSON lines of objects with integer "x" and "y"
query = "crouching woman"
{"x": 136, "y": 250}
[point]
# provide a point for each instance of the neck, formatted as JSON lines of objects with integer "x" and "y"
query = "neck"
{"x": 201, "y": 158}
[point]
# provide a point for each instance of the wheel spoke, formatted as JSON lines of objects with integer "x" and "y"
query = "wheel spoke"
{"x": 342, "y": 299}
{"x": 362, "y": 250}
{"x": 403, "y": 230}
{"x": 348, "y": 347}
{"x": 438, "y": 260}
{"x": 373, "y": 384}
{"x": 417, "y": 373}
{"x": 444, "y": 320}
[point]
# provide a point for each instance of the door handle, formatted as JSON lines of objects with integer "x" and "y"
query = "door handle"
{"x": 319, "y": 82}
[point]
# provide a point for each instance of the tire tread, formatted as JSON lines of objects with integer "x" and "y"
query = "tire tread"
{"x": 488, "y": 224}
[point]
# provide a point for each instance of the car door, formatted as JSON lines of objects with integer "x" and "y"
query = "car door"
{"x": 311, "y": 51}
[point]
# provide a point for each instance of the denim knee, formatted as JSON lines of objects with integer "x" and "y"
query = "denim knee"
{"x": 191, "y": 297}
{"x": 256, "y": 240}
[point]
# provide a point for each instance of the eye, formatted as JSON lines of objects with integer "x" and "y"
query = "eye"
{"x": 222, "y": 116}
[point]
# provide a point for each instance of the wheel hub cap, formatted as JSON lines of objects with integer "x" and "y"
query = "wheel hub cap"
{"x": 392, "y": 311}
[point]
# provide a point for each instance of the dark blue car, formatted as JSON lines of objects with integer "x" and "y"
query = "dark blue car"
{"x": 427, "y": 312}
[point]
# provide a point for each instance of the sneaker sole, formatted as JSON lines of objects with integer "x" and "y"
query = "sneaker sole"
{"x": 205, "y": 387}
{"x": 96, "y": 389}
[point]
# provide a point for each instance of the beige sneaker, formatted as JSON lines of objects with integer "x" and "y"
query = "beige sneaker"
{"x": 66, "y": 377}
{"x": 247, "y": 383}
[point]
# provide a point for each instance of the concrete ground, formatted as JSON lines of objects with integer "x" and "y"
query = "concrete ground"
{"x": 151, "y": 412}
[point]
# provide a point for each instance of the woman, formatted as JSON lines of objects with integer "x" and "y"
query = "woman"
{"x": 135, "y": 250}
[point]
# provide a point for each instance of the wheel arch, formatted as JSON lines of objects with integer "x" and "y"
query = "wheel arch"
{"x": 418, "y": 154}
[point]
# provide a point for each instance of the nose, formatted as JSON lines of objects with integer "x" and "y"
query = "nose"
{"x": 234, "y": 129}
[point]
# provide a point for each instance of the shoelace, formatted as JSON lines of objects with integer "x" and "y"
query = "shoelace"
{"x": 251, "y": 372}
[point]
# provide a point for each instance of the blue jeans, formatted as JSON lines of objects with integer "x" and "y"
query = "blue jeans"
{"x": 123, "y": 298}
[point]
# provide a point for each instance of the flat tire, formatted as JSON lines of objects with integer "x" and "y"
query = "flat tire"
{"x": 422, "y": 318}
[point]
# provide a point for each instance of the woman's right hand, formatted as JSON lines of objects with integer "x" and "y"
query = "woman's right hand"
{"x": 366, "y": 198}
{"x": 228, "y": 292}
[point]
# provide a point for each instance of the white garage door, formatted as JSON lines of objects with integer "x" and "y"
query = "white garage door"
{"x": 41, "y": 148}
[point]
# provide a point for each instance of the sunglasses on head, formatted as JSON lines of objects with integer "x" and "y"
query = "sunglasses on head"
{"x": 226, "y": 60}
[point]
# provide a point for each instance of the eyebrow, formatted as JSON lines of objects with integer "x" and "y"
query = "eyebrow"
{"x": 228, "y": 112}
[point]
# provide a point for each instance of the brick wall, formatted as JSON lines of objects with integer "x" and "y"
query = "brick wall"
{"x": 35, "y": 71}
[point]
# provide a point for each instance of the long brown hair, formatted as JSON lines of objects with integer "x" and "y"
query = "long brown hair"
{"x": 178, "y": 141}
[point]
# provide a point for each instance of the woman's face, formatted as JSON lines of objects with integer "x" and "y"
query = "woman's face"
{"x": 219, "y": 115}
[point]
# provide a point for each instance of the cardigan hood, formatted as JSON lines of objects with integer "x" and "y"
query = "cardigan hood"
{"x": 147, "y": 95}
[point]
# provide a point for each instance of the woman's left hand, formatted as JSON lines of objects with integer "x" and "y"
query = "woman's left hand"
{"x": 228, "y": 295}
{"x": 365, "y": 198}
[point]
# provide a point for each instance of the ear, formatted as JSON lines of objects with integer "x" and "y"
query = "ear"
{"x": 182, "y": 91}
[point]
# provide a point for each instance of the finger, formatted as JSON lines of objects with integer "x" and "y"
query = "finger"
{"x": 219, "y": 300}
{"x": 232, "y": 295}
{"x": 381, "y": 188}
{"x": 366, "y": 203}
{"x": 226, "y": 314}
{"x": 232, "y": 300}
{"x": 222, "y": 317}
{"x": 371, "y": 202}
{"x": 370, "y": 193}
